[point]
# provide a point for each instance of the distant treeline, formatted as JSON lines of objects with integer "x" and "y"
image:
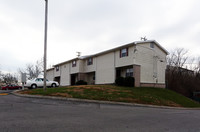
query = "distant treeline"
{"x": 183, "y": 73}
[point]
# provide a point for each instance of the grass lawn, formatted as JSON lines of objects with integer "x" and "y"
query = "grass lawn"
{"x": 153, "y": 96}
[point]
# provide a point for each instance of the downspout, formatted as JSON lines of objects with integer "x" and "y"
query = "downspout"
{"x": 60, "y": 73}
{"x": 114, "y": 65}
{"x": 95, "y": 70}
{"x": 155, "y": 69}
{"x": 70, "y": 73}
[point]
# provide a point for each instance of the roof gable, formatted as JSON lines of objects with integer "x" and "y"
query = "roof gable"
{"x": 155, "y": 42}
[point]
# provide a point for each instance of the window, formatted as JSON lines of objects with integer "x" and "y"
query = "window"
{"x": 152, "y": 45}
{"x": 57, "y": 68}
{"x": 74, "y": 63}
{"x": 129, "y": 72}
{"x": 124, "y": 52}
{"x": 90, "y": 61}
{"x": 39, "y": 80}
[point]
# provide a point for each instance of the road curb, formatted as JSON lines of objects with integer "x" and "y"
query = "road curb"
{"x": 99, "y": 102}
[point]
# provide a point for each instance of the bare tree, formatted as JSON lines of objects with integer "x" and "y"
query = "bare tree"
{"x": 33, "y": 70}
{"x": 178, "y": 77}
{"x": 9, "y": 78}
{"x": 197, "y": 67}
{"x": 0, "y": 76}
{"x": 178, "y": 57}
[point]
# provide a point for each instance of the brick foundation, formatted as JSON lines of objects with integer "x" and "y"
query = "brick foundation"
{"x": 136, "y": 75}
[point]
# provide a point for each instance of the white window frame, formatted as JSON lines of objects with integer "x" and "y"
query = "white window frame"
{"x": 124, "y": 52}
{"x": 129, "y": 72}
{"x": 152, "y": 45}
{"x": 90, "y": 61}
{"x": 57, "y": 68}
{"x": 74, "y": 63}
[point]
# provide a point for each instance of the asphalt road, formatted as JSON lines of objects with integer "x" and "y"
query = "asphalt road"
{"x": 19, "y": 114}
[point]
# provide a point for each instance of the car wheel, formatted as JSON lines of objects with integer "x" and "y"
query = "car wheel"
{"x": 34, "y": 86}
{"x": 53, "y": 85}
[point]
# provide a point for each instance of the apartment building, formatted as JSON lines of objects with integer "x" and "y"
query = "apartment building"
{"x": 143, "y": 60}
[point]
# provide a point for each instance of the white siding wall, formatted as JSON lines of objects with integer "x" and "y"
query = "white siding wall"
{"x": 81, "y": 65}
{"x": 144, "y": 57}
{"x": 90, "y": 68}
{"x": 50, "y": 75}
{"x": 149, "y": 59}
{"x": 105, "y": 72}
{"x": 75, "y": 69}
{"x": 124, "y": 61}
{"x": 161, "y": 72}
{"x": 161, "y": 66}
{"x": 57, "y": 73}
{"x": 65, "y": 76}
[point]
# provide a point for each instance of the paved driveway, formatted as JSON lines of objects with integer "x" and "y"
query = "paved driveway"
{"x": 19, "y": 114}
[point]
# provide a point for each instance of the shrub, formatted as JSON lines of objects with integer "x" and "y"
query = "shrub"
{"x": 81, "y": 82}
{"x": 129, "y": 81}
{"x": 119, "y": 81}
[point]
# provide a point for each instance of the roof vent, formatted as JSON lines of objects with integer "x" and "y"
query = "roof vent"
{"x": 78, "y": 54}
{"x": 143, "y": 38}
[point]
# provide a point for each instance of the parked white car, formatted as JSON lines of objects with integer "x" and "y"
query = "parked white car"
{"x": 39, "y": 82}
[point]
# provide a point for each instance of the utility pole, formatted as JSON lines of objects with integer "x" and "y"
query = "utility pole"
{"x": 45, "y": 44}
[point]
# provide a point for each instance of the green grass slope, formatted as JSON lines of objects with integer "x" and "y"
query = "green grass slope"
{"x": 141, "y": 95}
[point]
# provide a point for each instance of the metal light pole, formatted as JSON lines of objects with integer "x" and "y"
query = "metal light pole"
{"x": 45, "y": 43}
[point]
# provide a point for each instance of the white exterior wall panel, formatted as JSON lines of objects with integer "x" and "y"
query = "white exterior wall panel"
{"x": 57, "y": 73}
{"x": 149, "y": 60}
{"x": 161, "y": 72}
{"x": 124, "y": 61}
{"x": 144, "y": 58}
{"x": 76, "y": 68}
{"x": 161, "y": 66}
{"x": 90, "y": 68}
{"x": 105, "y": 72}
{"x": 50, "y": 75}
{"x": 81, "y": 66}
{"x": 65, "y": 76}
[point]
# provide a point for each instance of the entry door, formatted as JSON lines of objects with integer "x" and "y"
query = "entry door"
{"x": 73, "y": 79}
{"x": 118, "y": 74}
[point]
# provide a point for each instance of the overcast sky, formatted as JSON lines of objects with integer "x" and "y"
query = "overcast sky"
{"x": 92, "y": 26}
